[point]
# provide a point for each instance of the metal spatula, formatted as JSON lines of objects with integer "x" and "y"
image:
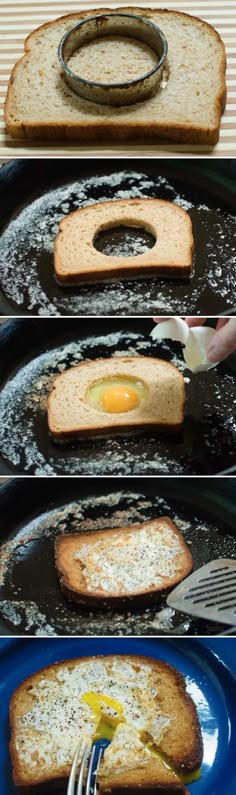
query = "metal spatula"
{"x": 210, "y": 592}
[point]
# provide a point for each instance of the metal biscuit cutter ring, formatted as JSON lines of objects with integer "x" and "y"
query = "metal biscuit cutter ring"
{"x": 100, "y": 26}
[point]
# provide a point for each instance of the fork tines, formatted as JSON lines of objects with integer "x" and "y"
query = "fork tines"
{"x": 82, "y": 770}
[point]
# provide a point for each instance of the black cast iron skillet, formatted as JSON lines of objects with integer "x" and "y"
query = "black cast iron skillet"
{"x": 26, "y": 254}
{"x": 33, "y": 351}
{"x": 34, "y": 511}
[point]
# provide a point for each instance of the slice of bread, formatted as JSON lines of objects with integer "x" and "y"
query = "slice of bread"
{"x": 131, "y": 565}
{"x": 188, "y": 107}
{"x": 70, "y": 414}
{"x": 77, "y": 260}
{"x": 49, "y": 717}
{"x": 153, "y": 773}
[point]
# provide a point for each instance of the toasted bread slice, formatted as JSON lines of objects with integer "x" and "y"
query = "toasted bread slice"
{"x": 161, "y": 405}
{"x": 40, "y": 104}
{"x": 77, "y": 260}
{"x": 154, "y": 774}
{"x": 129, "y": 564}
{"x": 50, "y": 714}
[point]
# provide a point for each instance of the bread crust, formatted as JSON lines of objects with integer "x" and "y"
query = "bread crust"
{"x": 101, "y": 132}
{"x": 114, "y": 267}
{"x": 164, "y": 789}
{"x": 186, "y": 763}
{"x": 100, "y": 599}
{"x": 98, "y": 428}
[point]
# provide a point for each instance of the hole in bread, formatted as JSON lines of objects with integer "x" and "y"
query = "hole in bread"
{"x": 124, "y": 241}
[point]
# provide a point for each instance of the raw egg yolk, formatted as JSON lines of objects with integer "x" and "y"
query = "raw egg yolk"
{"x": 108, "y": 711}
{"x": 116, "y": 399}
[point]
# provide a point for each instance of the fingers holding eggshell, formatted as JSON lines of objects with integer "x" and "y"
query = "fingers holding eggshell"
{"x": 196, "y": 341}
{"x": 223, "y": 342}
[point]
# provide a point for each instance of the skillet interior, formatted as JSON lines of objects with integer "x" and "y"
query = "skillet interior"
{"x": 34, "y": 196}
{"x": 34, "y": 512}
{"x": 32, "y": 352}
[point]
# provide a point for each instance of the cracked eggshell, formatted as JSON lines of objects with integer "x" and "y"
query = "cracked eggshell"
{"x": 195, "y": 341}
{"x": 175, "y": 329}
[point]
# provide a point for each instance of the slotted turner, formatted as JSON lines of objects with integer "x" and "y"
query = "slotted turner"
{"x": 210, "y": 592}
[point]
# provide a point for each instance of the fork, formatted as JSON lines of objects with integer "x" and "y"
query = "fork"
{"x": 87, "y": 778}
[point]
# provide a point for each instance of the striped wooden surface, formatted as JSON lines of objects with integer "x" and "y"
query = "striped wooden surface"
{"x": 18, "y": 19}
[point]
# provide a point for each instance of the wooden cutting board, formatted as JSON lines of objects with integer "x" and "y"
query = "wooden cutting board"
{"x": 18, "y": 19}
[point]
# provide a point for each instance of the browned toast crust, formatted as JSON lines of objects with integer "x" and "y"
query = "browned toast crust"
{"x": 66, "y": 545}
{"x": 171, "y": 685}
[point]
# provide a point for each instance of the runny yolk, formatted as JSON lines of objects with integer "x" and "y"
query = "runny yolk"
{"x": 108, "y": 711}
{"x": 186, "y": 778}
{"x": 116, "y": 399}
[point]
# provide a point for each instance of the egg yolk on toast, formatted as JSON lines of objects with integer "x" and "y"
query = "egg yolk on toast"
{"x": 116, "y": 399}
{"x": 116, "y": 395}
{"x": 109, "y": 713}
{"x": 186, "y": 778}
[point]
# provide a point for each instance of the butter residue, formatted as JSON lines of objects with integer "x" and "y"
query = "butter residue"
{"x": 195, "y": 341}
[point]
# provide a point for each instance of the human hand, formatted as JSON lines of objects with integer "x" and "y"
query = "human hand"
{"x": 224, "y": 341}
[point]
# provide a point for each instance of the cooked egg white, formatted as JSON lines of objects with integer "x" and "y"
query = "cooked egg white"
{"x": 89, "y": 700}
{"x": 116, "y": 395}
{"x": 137, "y": 747}
{"x": 125, "y": 737}
{"x": 156, "y": 557}
{"x": 96, "y": 699}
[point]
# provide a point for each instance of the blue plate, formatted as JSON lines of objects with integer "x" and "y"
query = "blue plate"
{"x": 209, "y": 667}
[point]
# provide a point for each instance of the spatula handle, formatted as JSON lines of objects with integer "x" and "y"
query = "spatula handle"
{"x": 229, "y": 631}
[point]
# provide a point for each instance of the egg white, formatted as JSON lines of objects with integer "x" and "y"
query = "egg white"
{"x": 96, "y": 390}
